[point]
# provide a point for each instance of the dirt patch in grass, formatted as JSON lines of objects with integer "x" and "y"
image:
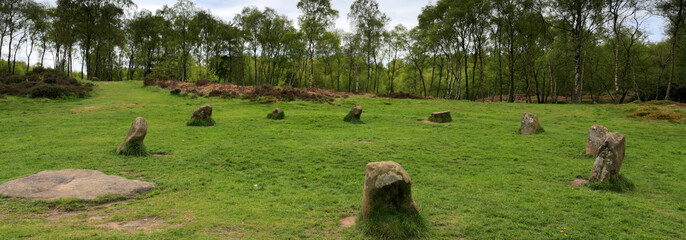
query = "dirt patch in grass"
{"x": 578, "y": 182}
{"x": 84, "y": 109}
{"x": 365, "y": 141}
{"x": 447, "y": 221}
{"x": 145, "y": 225}
{"x": 226, "y": 232}
{"x": 430, "y": 122}
{"x": 127, "y": 104}
{"x": 348, "y": 221}
{"x": 161, "y": 154}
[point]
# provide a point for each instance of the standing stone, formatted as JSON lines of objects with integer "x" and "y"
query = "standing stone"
{"x": 441, "y": 117}
{"x": 596, "y": 138}
{"x": 134, "y": 139}
{"x": 609, "y": 159}
{"x": 202, "y": 116}
{"x": 387, "y": 186}
{"x": 277, "y": 114}
{"x": 354, "y": 115}
{"x": 530, "y": 124}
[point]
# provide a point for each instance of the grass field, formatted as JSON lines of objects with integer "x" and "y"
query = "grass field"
{"x": 250, "y": 177}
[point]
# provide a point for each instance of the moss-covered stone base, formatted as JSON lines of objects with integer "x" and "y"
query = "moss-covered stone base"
{"x": 352, "y": 119}
{"x": 279, "y": 116}
{"x": 132, "y": 149}
{"x": 441, "y": 118}
{"x": 201, "y": 122}
{"x": 390, "y": 224}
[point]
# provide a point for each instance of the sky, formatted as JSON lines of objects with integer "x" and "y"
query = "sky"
{"x": 399, "y": 11}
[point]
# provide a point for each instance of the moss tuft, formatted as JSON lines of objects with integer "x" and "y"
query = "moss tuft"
{"x": 391, "y": 224}
{"x": 280, "y": 116}
{"x": 201, "y": 122}
{"x": 622, "y": 184}
{"x": 136, "y": 150}
{"x": 440, "y": 119}
{"x": 352, "y": 119}
{"x": 540, "y": 130}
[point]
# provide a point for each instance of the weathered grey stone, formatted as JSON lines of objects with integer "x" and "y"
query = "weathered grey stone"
{"x": 387, "y": 186}
{"x": 136, "y": 133}
{"x": 596, "y": 138}
{"x": 609, "y": 160}
{"x": 202, "y": 113}
{"x": 441, "y": 117}
{"x": 354, "y": 115}
{"x": 72, "y": 183}
{"x": 530, "y": 124}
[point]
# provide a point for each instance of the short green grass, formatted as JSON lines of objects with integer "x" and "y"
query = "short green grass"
{"x": 253, "y": 178}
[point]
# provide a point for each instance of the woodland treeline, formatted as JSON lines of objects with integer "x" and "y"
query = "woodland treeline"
{"x": 480, "y": 50}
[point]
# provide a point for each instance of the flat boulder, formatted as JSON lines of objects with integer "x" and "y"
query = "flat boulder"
{"x": 134, "y": 139}
{"x": 608, "y": 162}
{"x": 202, "y": 116}
{"x": 596, "y": 138}
{"x": 277, "y": 114}
{"x": 354, "y": 115}
{"x": 530, "y": 124}
{"x": 441, "y": 117}
{"x": 387, "y": 186}
{"x": 72, "y": 183}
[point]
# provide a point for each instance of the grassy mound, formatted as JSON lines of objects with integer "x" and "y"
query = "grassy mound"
{"x": 279, "y": 116}
{"x": 352, "y": 119}
{"x": 136, "y": 150}
{"x": 657, "y": 112}
{"x": 201, "y": 122}
{"x": 622, "y": 184}
{"x": 393, "y": 225}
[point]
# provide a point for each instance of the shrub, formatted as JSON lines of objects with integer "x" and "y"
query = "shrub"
{"x": 175, "y": 92}
{"x": 201, "y": 83}
{"x": 13, "y": 79}
{"x": 59, "y": 91}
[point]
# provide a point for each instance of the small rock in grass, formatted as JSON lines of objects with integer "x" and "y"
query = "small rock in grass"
{"x": 596, "y": 138}
{"x": 530, "y": 124}
{"x": 387, "y": 187}
{"x": 441, "y": 117}
{"x": 133, "y": 143}
{"x": 202, "y": 117}
{"x": 72, "y": 183}
{"x": 608, "y": 162}
{"x": 277, "y": 114}
{"x": 354, "y": 115}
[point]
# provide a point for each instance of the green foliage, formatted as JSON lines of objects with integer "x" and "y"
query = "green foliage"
{"x": 390, "y": 224}
{"x": 135, "y": 150}
{"x": 196, "y": 122}
{"x": 622, "y": 184}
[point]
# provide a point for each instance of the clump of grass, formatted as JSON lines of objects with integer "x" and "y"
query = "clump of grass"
{"x": 352, "y": 119}
{"x": 656, "y": 113}
{"x": 540, "y": 130}
{"x": 440, "y": 118}
{"x": 279, "y": 116}
{"x": 201, "y": 122}
{"x": 136, "y": 150}
{"x": 391, "y": 224}
{"x": 621, "y": 184}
